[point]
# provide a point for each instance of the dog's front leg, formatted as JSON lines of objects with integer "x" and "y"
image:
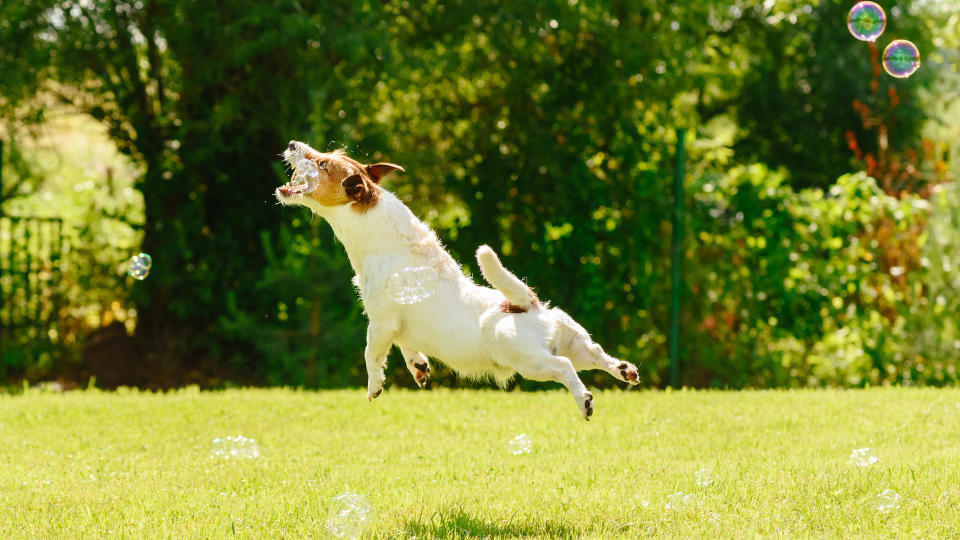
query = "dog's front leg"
{"x": 379, "y": 340}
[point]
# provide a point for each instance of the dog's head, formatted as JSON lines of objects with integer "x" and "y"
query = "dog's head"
{"x": 341, "y": 180}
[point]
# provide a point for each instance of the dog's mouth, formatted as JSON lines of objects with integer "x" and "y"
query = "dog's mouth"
{"x": 305, "y": 177}
{"x": 296, "y": 187}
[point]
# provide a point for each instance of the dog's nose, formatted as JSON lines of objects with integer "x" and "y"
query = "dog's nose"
{"x": 292, "y": 146}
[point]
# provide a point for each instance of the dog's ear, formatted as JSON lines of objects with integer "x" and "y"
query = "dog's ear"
{"x": 353, "y": 186}
{"x": 379, "y": 170}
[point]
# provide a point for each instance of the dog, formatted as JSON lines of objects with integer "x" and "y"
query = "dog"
{"x": 479, "y": 332}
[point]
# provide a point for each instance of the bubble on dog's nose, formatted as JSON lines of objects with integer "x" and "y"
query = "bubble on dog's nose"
{"x": 520, "y": 444}
{"x": 412, "y": 285}
{"x": 305, "y": 178}
{"x": 309, "y": 167}
{"x": 349, "y": 515}
{"x": 139, "y": 266}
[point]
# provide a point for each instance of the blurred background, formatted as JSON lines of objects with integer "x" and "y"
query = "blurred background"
{"x": 817, "y": 228}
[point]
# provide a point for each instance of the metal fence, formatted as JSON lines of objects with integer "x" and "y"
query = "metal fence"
{"x": 31, "y": 251}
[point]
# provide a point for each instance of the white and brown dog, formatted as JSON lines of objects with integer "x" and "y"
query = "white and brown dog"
{"x": 477, "y": 331}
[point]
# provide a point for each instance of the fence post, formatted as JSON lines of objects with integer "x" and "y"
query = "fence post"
{"x": 676, "y": 256}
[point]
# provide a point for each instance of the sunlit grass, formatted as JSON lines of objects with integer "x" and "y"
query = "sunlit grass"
{"x": 436, "y": 463}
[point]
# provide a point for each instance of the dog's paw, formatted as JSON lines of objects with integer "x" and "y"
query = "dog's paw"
{"x": 422, "y": 375}
{"x": 628, "y": 372}
{"x": 587, "y": 406}
{"x": 374, "y": 388}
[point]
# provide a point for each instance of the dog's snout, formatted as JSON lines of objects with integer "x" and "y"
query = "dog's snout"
{"x": 292, "y": 146}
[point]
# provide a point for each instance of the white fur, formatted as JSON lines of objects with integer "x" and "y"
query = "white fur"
{"x": 461, "y": 324}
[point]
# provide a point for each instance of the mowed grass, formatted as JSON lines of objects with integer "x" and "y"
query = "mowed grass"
{"x": 435, "y": 464}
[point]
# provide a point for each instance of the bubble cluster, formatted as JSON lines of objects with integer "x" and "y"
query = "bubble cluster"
{"x": 704, "y": 477}
{"x": 139, "y": 266}
{"x": 866, "y": 21}
{"x": 308, "y": 167}
{"x": 520, "y": 444}
{"x": 901, "y": 59}
{"x": 863, "y": 457}
{"x": 349, "y": 515}
{"x": 412, "y": 285}
{"x": 235, "y": 447}
{"x": 305, "y": 176}
{"x": 887, "y": 501}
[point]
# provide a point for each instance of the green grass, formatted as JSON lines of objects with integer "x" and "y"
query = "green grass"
{"x": 435, "y": 463}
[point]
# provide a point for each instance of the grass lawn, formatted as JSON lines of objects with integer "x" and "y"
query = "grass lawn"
{"x": 435, "y": 464}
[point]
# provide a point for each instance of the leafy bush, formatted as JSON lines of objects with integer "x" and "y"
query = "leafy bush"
{"x": 810, "y": 287}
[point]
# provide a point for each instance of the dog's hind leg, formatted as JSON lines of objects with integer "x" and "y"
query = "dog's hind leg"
{"x": 418, "y": 365}
{"x": 548, "y": 367}
{"x": 573, "y": 341}
{"x": 379, "y": 340}
{"x": 586, "y": 354}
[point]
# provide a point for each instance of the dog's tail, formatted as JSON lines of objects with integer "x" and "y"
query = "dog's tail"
{"x": 519, "y": 296}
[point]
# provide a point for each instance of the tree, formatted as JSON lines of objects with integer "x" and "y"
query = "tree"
{"x": 202, "y": 95}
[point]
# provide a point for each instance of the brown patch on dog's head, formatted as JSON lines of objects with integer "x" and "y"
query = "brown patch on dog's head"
{"x": 341, "y": 179}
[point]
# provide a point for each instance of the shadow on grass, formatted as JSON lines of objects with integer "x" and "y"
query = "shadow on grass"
{"x": 456, "y": 523}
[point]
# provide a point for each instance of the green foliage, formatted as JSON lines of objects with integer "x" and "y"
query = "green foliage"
{"x": 542, "y": 128}
{"x": 807, "y": 287}
{"x": 309, "y": 337}
{"x": 934, "y": 319}
{"x": 803, "y": 73}
{"x": 67, "y": 168}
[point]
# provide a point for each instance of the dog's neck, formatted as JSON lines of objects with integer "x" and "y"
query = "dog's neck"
{"x": 388, "y": 227}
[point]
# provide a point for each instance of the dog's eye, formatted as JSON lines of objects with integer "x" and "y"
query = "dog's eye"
{"x": 323, "y": 165}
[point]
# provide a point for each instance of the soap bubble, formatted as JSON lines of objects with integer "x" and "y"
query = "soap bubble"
{"x": 866, "y": 21}
{"x": 679, "y": 500}
{"x": 704, "y": 477}
{"x": 412, "y": 285}
{"x": 306, "y": 176}
{"x": 863, "y": 457}
{"x": 235, "y": 447}
{"x": 309, "y": 167}
{"x": 349, "y": 515}
{"x": 520, "y": 444}
{"x": 139, "y": 266}
{"x": 887, "y": 501}
{"x": 901, "y": 59}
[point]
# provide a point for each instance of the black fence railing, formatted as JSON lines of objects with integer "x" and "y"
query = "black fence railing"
{"x": 31, "y": 251}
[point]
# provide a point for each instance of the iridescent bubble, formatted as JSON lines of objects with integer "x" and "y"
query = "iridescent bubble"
{"x": 412, "y": 285}
{"x": 235, "y": 447}
{"x": 901, "y": 59}
{"x": 520, "y": 444}
{"x": 139, "y": 266}
{"x": 866, "y": 21}
{"x": 349, "y": 515}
